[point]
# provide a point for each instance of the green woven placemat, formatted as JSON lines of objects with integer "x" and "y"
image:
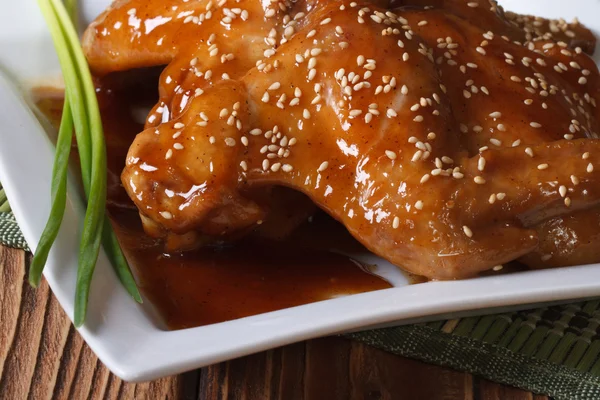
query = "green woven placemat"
{"x": 552, "y": 350}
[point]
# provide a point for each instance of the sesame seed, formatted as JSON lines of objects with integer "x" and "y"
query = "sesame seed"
{"x": 467, "y": 231}
{"x": 479, "y": 180}
{"x": 585, "y": 155}
{"x": 390, "y": 154}
{"x": 481, "y": 50}
{"x": 325, "y": 21}
{"x": 562, "y": 190}
{"x": 424, "y": 178}
{"x": 178, "y": 146}
{"x": 376, "y": 18}
{"x": 287, "y": 168}
{"x": 169, "y": 154}
{"x": 528, "y": 102}
{"x": 306, "y": 114}
{"x": 391, "y": 113}
{"x": 590, "y": 168}
{"x": 421, "y": 146}
{"x": 567, "y": 202}
{"x": 582, "y": 80}
{"x": 575, "y": 180}
{"x": 492, "y": 198}
{"x": 166, "y": 215}
{"x": 274, "y": 86}
{"x": 275, "y": 167}
{"x": 230, "y": 141}
{"x": 323, "y": 166}
{"x": 244, "y": 165}
{"x": 396, "y": 223}
{"x": 419, "y": 205}
{"x": 481, "y": 164}
{"x": 542, "y": 166}
{"x": 529, "y": 151}
{"x": 495, "y": 142}
{"x": 535, "y": 125}
{"x": 418, "y": 118}
{"x": 496, "y": 114}
{"x": 178, "y": 125}
{"x": 501, "y": 127}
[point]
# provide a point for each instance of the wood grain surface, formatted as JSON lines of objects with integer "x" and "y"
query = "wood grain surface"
{"x": 43, "y": 357}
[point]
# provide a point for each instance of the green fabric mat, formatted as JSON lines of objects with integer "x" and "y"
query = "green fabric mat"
{"x": 552, "y": 350}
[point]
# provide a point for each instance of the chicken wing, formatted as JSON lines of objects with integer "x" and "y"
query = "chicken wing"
{"x": 439, "y": 141}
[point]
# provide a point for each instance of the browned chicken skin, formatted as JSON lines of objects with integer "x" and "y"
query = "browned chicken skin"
{"x": 442, "y": 135}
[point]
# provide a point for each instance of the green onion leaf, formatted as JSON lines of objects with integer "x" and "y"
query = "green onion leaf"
{"x": 59, "y": 195}
{"x": 81, "y": 105}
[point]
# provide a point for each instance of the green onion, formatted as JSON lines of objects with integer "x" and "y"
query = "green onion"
{"x": 58, "y": 194}
{"x": 81, "y": 111}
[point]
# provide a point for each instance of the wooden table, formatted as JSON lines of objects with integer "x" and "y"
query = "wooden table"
{"x": 42, "y": 357}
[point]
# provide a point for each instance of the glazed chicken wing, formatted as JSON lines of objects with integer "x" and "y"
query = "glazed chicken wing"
{"x": 442, "y": 135}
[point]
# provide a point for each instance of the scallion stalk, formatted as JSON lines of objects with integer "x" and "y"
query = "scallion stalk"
{"x": 81, "y": 111}
{"x": 58, "y": 195}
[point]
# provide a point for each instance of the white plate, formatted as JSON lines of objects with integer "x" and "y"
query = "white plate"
{"x": 122, "y": 334}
